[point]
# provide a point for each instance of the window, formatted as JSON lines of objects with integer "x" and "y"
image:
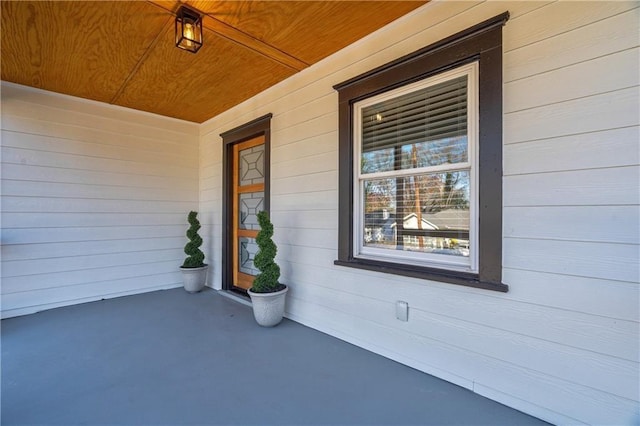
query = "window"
{"x": 414, "y": 177}
{"x": 421, "y": 163}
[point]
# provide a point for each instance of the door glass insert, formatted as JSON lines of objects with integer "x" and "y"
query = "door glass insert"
{"x": 252, "y": 165}
{"x": 248, "y": 250}
{"x": 250, "y": 204}
{"x": 248, "y": 200}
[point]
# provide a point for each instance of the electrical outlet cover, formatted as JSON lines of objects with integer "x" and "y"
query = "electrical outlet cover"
{"x": 402, "y": 310}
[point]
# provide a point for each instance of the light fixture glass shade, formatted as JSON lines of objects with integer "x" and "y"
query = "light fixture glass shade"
{"x": 188, "y": 30}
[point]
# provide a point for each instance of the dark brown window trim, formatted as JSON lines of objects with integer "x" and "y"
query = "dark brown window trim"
{"x": 482, "y": 43}
{"x": 259, "y": 126}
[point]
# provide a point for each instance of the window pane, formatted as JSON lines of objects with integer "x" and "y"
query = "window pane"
{"x": 425, "y": 154}
{"x": 247, "y": 251}
{"x": 249, "y": 204}
{"x": 424, "y": 128}
{"x": 251, "y": 163}
{"x": 427, "y": 213}
{"x": 380, "y": 213}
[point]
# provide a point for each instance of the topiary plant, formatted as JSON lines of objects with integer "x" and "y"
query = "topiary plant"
{"x": 267, "y": 280}
{"x": 195, "y": 256}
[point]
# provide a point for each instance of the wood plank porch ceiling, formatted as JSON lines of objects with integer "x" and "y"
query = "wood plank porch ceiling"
{"x": 123, "y": 53}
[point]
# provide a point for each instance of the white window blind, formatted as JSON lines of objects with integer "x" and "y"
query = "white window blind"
{"x": 433, "y": 113}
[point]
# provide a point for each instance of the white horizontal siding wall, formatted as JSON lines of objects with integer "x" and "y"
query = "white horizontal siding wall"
{"x": 563, "y": 343}
{"x": 94, "y": 199}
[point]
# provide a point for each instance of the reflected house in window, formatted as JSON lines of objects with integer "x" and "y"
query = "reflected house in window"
{"x": 450, "y": 219}
{"x": 453, "y": 220}
{"x": 381, "y": 230}
{"x": 379, "y": 227}
{"x": 410, "y": 221}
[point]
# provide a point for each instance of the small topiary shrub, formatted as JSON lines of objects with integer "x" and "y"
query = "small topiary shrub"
{"x": 195, "y": 256}
{"x": 267, "y": 280}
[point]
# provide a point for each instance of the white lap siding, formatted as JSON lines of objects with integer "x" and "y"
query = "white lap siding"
{"x": 94, "y": 199}
{"x": 563, "y": 343}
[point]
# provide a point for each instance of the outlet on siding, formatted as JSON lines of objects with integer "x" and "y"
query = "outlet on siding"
{"x": 402, "y": 310}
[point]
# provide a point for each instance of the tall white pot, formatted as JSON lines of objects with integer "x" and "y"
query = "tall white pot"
{"x": 268, "y": 308}
{"x": 194, "y": 279}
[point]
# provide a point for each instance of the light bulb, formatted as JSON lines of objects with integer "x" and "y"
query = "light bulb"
{"x": 188, "y": 33}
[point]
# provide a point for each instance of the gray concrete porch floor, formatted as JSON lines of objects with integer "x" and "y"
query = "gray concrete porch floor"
{"x": 169, "y": 357}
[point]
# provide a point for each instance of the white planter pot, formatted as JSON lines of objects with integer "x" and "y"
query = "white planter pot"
{"x": 194, "y": 279}
{"x": 268, "y": 308}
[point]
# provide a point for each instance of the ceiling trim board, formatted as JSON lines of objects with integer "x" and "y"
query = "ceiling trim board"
{"x": 143, "y": 58}
{"x": 245, "y": 40}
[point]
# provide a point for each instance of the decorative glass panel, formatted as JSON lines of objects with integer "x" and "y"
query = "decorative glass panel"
{"x": 248, "y": 249}
{"x": 250, "y": 204}
{"x": 251, "y": 165}
{"x": 428, "y": 213}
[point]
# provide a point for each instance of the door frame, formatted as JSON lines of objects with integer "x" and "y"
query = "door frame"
{"x": 258, "y": 127}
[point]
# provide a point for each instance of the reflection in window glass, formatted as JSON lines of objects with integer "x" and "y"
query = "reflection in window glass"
{"x": 427, "y": 213}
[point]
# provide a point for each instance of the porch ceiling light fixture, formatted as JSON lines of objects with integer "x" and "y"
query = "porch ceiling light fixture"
{"x": 188, "y": 29}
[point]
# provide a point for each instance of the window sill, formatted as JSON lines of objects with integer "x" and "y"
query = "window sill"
{"x": 433, "y": 274}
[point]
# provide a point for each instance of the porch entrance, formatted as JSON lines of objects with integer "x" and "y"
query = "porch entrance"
{"x": 248, "y": 199}
{"x": 245, "y": 192}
